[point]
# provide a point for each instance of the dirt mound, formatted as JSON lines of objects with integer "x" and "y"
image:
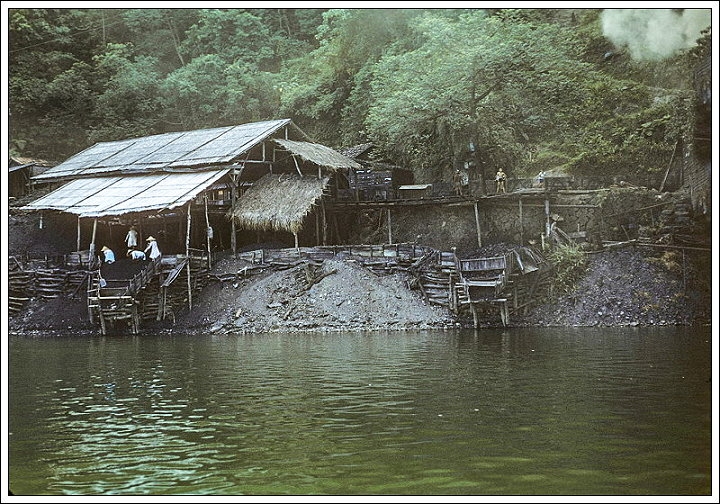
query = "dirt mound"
{"x": 338, "y": 295}
{"x": 632, "y": 287}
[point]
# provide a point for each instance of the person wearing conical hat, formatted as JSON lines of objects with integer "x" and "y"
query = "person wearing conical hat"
{"x": 136, "y": 255}
{"x": 108, "y": 255}
{"x": 152, "y": 248}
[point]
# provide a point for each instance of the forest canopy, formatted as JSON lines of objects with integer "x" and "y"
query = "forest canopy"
{"x": 576, "y": 90}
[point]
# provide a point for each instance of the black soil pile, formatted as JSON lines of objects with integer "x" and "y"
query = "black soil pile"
{"x": 633, "y": 286}
{"x": 335, "y": 296}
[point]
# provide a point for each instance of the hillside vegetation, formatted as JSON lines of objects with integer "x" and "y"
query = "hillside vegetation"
{"x": 581, "y": 90}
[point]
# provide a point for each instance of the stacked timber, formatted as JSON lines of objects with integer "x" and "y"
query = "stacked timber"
{"x": 437, "y": 276}
{"x": 20, "y": 288}
{"x": 50, "y": 283}
{"x": 75, "y": 280}
{"x": 199, "y": 272}
{"x": 149, "y": 299}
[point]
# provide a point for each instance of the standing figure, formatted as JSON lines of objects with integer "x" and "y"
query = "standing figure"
{"x": 152, "y": 248}
{"x": 464, "y": 183}
{"x": 457, "y": 182}
{"x": 500, "y": 178}
{"x": 131, "y": 237}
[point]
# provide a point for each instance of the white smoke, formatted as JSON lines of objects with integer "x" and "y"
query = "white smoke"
{"x": 654, "y": 34}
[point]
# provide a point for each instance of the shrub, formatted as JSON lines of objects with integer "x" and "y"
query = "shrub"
{"x": 568, "y": 264}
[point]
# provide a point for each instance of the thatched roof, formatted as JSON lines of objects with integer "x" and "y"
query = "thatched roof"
{"x": 356, "y": 150}
{"x": 278, "y": 202}
{"x": 318, "y": 154}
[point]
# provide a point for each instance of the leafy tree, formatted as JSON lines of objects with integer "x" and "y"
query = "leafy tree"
{"x": 128, "y": 104}
{"x": 497, "y": 82}
{"x": 315, "y": 88}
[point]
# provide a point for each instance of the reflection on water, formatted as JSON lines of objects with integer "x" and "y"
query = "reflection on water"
{"x": 522, "y": 411}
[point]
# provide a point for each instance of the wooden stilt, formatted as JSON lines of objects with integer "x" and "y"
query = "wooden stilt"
{"x": 477, "y": 225}
{"x": 187, "y": 253}
{"x": 547, "y": 218}
{"x": 207, "y": 232}
{"x": 522, "y": 239}
{"x": 91, "y": 258}
{"x": 389, "y": 224}
{"x": 233, "y": 195}
{"x": 324, "y": 219}
{"x": 78, "y": 234}
{"x": 317, "y": 228}
{"x": 475, "y": 316}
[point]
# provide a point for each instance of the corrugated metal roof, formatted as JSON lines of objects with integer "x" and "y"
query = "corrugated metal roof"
{"x": 166, "y": 151}
{"x": 20, "y": 167}
{"x": 318, "y": 154}
{"x": 102, "y": 196}
{"x": 413, "y": 187}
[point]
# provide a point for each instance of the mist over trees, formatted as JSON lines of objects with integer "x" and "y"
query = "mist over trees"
{"x": 531, "y": 89}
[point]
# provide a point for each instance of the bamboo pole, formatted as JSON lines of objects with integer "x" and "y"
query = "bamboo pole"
{"x": 547, "y": 217}
{"x": 667, "y": 172}
{"x": 389, "y": 218}
{"x": 324, "y": 219}
{"x": 522, "y": 241}
{"x": 477, "y": 224}
{"x": 297, "y": 166}
{"x": 207, "y": 232}
{"x": 317, "y": 228}
{"x": 187, "y": 253}
{"x": 233, "y": 238}
{"x": 78, "y": 234}
{"x": 91, "y": 258}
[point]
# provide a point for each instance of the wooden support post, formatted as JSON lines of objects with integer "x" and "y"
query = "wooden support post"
{"x": 317, "y": 228}
{"x": 297, "y": 166}
{"x": 477, "y": 225}
{"x": 233, "y": 196}
{"x": 547, "y": 218}
{"x": 91, "y": 257}
{"x": 207, "y": 232}
{"x": 78, "y": 234}
{"x": 475, "y": 316}
{"x": 504, "y": 313}
{"x": 667, "y": 172}
{"x": 522, "y": 241}
{"x": 297, "y": 246}
{"x": 187, "y": 253}
{"x": 324, "y": 219}
{"x": 335, "y": 227}
{"x": 389, "y": 224}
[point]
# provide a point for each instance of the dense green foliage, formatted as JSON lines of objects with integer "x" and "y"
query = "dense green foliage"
{"x": 569, "y": 263}
{"x": 531, "y": 89}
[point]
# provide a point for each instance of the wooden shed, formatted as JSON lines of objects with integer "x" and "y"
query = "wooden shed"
{"x": 162, "y": 180}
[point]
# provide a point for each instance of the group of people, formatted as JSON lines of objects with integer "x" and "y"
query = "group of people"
{"x": 461, "y": 182}
{"x": 131, "y": 239}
